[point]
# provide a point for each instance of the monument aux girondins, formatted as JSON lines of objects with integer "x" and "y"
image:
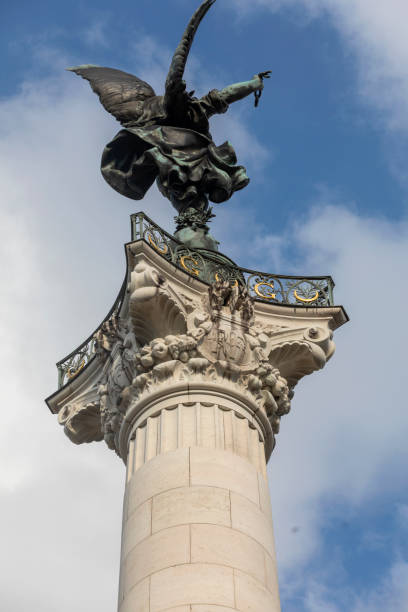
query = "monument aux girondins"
{"x": 188, "y": 376}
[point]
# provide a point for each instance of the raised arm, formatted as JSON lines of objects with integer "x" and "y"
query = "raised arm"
{"x": 175, "y": 86}
{"x": 235, "y": 92}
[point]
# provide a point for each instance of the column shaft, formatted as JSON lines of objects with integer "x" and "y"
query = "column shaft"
{"x": 197, "y": 533}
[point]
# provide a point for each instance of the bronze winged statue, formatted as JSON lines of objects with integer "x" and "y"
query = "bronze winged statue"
{"x": 167, "y": 138}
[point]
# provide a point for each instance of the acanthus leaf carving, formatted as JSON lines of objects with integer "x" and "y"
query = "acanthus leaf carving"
{"x": 222, "y": 345}
{"x": 213, "y": 338}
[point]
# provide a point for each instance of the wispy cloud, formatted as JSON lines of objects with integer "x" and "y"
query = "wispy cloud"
{"x": 346, "y": 431}
{"x": 59, "y": 280}
{"x": 376, "y": 33}
{"x": 390, "y": 595}
{"x": 96, "y": 33}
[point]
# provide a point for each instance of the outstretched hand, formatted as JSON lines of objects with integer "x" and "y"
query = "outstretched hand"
{"x": 261, "y": 75}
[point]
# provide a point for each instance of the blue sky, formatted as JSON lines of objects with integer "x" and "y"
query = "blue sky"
{"x": 326, "y": 151}
{"x": 315, "y": 127}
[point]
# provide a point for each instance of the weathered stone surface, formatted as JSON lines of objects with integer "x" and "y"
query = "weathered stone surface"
{"x": 229, "y": 547}
{"x": 248, "y": 518}
{"x": 188, "y": 386}
{"x": 223, "y": 469}
{"x": 171, "y": 331}
{"x": 193, "y": 583}
{"x": 167, "y": 548}
{"x": 191, "y": 505}
{"x": 137, "y": 527}
{"x": 160, "y": 474}
{"x": 208, "y": 608}
{"x": 252, "y": 596}
{"x": 138, "y": 599}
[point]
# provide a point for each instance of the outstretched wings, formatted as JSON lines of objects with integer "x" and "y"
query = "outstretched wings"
{"x": 121, "y": 94}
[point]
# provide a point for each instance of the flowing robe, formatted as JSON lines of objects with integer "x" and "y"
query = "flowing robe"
{"x": 176, "y": 149}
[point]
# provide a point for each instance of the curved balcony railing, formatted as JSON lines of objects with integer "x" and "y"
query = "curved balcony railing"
{"x": 76, "y": 361}
{"x": 207, "y": 266}
{"x": 210, "y": 266}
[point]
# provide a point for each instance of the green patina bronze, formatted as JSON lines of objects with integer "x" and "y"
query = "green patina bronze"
{"x": 167, "y": 139}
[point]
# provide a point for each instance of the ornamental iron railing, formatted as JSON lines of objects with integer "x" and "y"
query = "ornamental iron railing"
{"x": 208, "y": 266}
{"x": 76, "y": 361}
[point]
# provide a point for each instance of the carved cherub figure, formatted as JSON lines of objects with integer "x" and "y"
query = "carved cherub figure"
{"x": 167, "y": 138}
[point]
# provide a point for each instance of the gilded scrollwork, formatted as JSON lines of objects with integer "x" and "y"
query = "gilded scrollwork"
{"x": 265, "y": 290}
{"x": 157, "y": 242}
{"x": 303, "y": 291}
{"x": 190, "y": 264}
{"x": 75, "y": 368}
{"x": 312, "y": 292}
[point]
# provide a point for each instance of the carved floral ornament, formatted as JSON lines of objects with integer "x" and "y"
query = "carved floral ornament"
{"x": 214, "y": 337}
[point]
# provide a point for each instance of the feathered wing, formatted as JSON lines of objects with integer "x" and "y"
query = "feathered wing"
{"x": 180, "y": 56}
{"x": 121, "y": 94}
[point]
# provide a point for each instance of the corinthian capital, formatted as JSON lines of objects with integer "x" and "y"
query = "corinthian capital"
{"x": 171, "y": 332}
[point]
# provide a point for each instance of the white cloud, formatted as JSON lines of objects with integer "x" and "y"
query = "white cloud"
{"x": 376, "y": 33}
{"x": 343, "y": 447}
{"x": 61, "y": 505}
{"x": 318, "y": 600}
{"x": 315, "y": 593}
{"x": 390, "y": 595}
{"x": 60, "y": 226}
{"x": 62, "y": 230}
{"x": 50, "y": 199}
{"x": 346, "y": 431}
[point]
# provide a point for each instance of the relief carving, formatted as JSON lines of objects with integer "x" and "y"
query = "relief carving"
{"x": 234, "y": 297}
{"x": 106, "y": 336}
{"x": 214, "y": 337}
{"x": 81, "y": 422}
{"x": 145, "y": 282}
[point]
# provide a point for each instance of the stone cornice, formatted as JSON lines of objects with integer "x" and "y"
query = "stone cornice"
{"x": 173, "y": 332}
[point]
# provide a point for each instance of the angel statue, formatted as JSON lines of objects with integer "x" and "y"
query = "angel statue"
{"x": 167, "y": 139}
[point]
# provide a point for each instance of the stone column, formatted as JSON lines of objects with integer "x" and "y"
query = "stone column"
{"x": 188, "y": 385}
{"x": 197, "y": 527}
